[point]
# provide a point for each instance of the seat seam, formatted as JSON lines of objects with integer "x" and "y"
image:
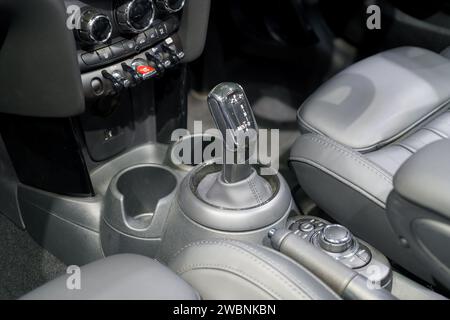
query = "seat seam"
{"x": 306, "y": 124}
{"x": 407, "y": 147}
{"x": 260, "y": 262}
{"x": 342, "y": 179}
{"x": 254, "y": 191}
{"x": 436, "y": 132}
{"x": 221, "y": 267}
{"x": 386, "y": 141}
{"x": 357, "y": 158}
{"x": 290, "y": 277}
{"x": 398, "y": 144}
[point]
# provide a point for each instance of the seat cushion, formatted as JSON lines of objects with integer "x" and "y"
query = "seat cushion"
{"x": 243, "y": 271}
{"x": 119, "y": 277}
{"x": 379, "y": 99}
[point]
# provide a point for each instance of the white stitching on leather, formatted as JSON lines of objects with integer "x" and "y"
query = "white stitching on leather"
{"x": 295, "y": 287}
{"x": 354, "y": 156}
{"x": 229, "y": 243}
{"x": 279, "y": 267}
{"x": 221, "y": 267}
{"x": 254, "y": 191}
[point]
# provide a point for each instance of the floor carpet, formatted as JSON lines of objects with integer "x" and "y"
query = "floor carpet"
{"x": 24, "y": 265}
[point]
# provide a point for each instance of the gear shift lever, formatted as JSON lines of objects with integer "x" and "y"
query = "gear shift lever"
{"x": 235, "y": 120}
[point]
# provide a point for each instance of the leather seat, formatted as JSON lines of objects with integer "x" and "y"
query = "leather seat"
{"x": 215, "y": 269}
{"x": 358, "y": 129}
{"x": 119, "y": 277}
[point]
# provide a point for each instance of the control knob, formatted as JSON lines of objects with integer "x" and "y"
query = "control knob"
{"x": 335, "y": 238}
{"x": 95, "y": 27}
{"x": 171, "y": 6}
{"x": 135, "y": 16}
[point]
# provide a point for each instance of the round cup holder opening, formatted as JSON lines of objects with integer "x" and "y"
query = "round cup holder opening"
{"x": 142, "y": 189}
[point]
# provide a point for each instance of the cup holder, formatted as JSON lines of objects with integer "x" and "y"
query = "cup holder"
{"x": 136, "y": 195}
{"x": 195, "y": 145}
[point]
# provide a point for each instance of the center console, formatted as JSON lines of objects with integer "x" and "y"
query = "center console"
{"x": 88, "y": 145}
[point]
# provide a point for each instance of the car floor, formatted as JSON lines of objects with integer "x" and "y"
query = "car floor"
{"x": 24, "y": 265}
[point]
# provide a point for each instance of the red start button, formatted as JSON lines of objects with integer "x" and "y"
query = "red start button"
{"x": 145, "y": 70}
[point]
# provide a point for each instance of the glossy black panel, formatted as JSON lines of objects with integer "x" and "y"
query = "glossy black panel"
{"x": 46, "y": 154}
{"x": 171, "y": 103}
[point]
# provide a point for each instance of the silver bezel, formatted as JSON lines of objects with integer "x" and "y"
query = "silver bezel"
{"x": 171, "y": 10}
{"x": 91, "y": 24}
{"x": 127, "y": 15}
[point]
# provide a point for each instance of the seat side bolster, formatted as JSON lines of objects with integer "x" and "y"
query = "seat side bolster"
{"x": 343, "y": 164}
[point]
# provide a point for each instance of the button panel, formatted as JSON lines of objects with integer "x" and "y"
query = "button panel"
{"x": 360, "y": 256}
{"x": 306, "y": 232}
{"x": 111, "y": 80}
{"x": 354, "y": 256}
{"x": 125, "y": 47}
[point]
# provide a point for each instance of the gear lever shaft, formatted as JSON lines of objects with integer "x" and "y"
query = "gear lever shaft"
{"x": 235, "y": 120}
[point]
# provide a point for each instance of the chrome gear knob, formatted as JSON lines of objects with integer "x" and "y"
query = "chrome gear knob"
{"x": 234, "y": 118}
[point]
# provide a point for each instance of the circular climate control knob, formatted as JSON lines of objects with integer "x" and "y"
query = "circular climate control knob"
{"x": 335, "y": 238}
{"x": 95, "y": 27}
{"x": 170, "y": 6}
{"x": 135, "y": 16}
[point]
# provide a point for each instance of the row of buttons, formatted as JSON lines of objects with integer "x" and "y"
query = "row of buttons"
{"x": 359, "y": 260}
{"x": 152, "y": 62}
{"x": 310, "y": 229}
{"x": 305, "y": 228}
{"x": 128, "y": 46}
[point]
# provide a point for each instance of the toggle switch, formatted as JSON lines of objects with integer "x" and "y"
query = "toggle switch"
{"x": 156, "y": 62}
{"x": 117, "y": 85}
{"x": 169, "y": 46}
{"x": 143, "y": 69}
{"x": 136, "y": 77}
{"x": 121, "y": 78}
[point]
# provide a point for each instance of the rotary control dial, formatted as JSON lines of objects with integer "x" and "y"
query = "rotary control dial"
{"x": 135, "y": 16}
{"x": 335, "y": 238}
{"x": 95, "y": 27}
{"x": 171, "y": 6}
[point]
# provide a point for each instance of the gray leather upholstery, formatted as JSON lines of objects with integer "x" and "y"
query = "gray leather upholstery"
{"x": 360, "y": 127}
{"x": 419, "y": 208}
{"x": 228, "y": 269}
{"x": 425, "y": 178}
{"x": 123, "y": 277}
{"x": 250, "y": 192}
{"x": 377, "y": 100}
